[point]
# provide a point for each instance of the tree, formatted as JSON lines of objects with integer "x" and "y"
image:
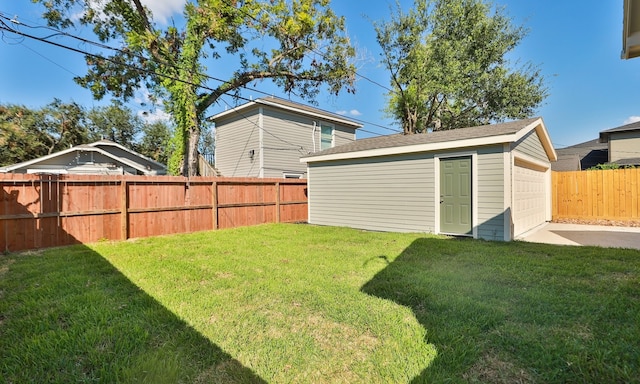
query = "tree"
{"x": 115, "y": 122}
{"x": 26, "y": 134}
{"x": 155, "y": 141}
{"x": 448, "y": 66}
{"x": 299, "y": 44}
{"x": 19, "y": 138}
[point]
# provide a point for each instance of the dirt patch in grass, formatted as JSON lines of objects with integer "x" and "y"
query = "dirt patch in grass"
{"x": 492, "y": 369}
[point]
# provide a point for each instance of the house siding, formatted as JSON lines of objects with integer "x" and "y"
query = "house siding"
{"x": 394, "y": 193}
{"x": 235, "y": 137}
{"x": 531, "y": 145}
{"x": 397, "y": 193}
{"x": 491, "y": 193}
{"x": 285, "y": 137}
{"x": 624, "y": 145}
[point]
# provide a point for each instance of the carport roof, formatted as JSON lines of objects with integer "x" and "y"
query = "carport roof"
{"x": 439, "y": 140}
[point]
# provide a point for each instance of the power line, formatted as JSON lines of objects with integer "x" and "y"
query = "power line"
{"x": 4, "y": 26}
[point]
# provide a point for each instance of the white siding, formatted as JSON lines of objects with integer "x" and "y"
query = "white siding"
{"x": 235, "y": 137}
{"x": 394, "y": 193}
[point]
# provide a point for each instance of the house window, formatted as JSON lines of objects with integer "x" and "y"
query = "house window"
{"x": 326, "y": 136}
{"x": 292, "y": 175}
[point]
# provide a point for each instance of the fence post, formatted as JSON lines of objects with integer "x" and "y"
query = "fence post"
{"x": 124, "y": 216}
{"x": 214, "y": 203}
{"x": 277, "y": 201}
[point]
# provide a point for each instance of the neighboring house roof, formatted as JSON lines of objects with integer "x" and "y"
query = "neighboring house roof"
{"x": 631, "y": 29}
{"x": 604, "y": 135}
{"x": 439, "y": 140}
{"x": 581, "y": 156}
{"x": 292, "y": 107}
{"x": 143, "y": 164}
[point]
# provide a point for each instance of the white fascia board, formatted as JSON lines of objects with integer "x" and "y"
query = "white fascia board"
{"x": 429, "y": 147}
{"x": 543, "y": 134}
{"x": 517, "y": 155}
{"x": 114, "y": 144}
{"x": 27, "y": 163}
{"x": 232, "y": 110}
{"x": 309, "y": 113}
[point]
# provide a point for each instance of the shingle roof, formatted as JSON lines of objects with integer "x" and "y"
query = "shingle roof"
{"x": 581, "y": 156}
{"x": 401, "y": 140}
{"x": 292, "y": 106}
{"x": 604, "y": 135}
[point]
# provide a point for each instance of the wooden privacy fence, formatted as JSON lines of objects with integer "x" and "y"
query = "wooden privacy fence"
{"x": 597, "y": 194}
{"x": 40, "y": 211}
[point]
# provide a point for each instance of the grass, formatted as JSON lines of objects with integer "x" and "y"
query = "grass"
{"x": 299, "y": 303}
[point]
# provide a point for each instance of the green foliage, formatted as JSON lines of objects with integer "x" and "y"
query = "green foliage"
{"x": 448, "y": 66}
{"x": 298, "y": 44}
{"x": 115, "y": 122}
{"x": 155, "y": 141}
{"x": 605, "y": 166}
{"x": 27, "y": 134}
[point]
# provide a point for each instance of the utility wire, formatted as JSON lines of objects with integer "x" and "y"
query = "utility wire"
{"x": 4, "y": 26}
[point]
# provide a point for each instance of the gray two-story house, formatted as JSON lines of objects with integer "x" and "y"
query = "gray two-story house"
{"x": 266, "y": 137}
{"x": 623, "y": 144}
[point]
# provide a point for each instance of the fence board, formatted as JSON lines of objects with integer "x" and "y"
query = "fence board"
{"x": 39, "y": 211}
{"x": 596, "y": 195}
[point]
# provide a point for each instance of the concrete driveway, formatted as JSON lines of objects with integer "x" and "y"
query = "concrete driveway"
{"x": 580, "y": 234}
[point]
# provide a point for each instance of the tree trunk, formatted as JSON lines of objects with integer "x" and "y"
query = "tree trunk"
{"x": 192, "y": 151}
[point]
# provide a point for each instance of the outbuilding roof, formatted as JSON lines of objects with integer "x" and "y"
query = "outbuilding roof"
{"x": 604, "y": 135}
{"x": 439, "y": 140}
{"x": 100, "y": 146}
{"x": 291, "y": 106}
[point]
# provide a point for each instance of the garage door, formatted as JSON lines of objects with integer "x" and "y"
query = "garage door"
{"x": 529, "y": 197}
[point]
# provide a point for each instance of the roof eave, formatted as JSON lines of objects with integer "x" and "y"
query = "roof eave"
{"x": 537, "y": 125}
{"x": 631, "y": 29}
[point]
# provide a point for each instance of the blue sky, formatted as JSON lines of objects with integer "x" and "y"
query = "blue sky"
{"x": 575, "y": 44}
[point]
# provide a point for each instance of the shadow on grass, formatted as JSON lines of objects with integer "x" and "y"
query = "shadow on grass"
{"x": 518, "y": 312}
{"x": 67, "y": 315}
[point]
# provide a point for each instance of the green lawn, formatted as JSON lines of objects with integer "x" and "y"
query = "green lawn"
{"x": 293, "y": 303}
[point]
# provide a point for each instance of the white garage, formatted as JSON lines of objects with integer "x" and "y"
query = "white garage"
{"x": 491, "y": 182}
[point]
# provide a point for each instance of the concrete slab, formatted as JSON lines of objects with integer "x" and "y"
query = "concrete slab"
{"x": 581, "y": 234}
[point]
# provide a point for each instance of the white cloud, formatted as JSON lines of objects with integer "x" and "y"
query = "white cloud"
{"x": 353, "y": 112}
{"x": 154, "y": 116}
{"x": 163, "y": 9}
{"x": 631, "y": 119}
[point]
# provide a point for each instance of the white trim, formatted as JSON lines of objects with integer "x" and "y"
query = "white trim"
{"x": 429, "y": 147}
{"x": 79, "y": 148}
{"x": 114, "y": 144}
{"x": 323, "y": 116}
{"x": 324, "y": 124}
{"x": 530, "y": 161}
{"x": 299, "y": 111}
{"x": 474, "y": 188}
{"x": 261, "y": 142}
{"x": 537, "y": 125}
{"x": 292, "y": 175}
{"x": 508, "y": 192}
